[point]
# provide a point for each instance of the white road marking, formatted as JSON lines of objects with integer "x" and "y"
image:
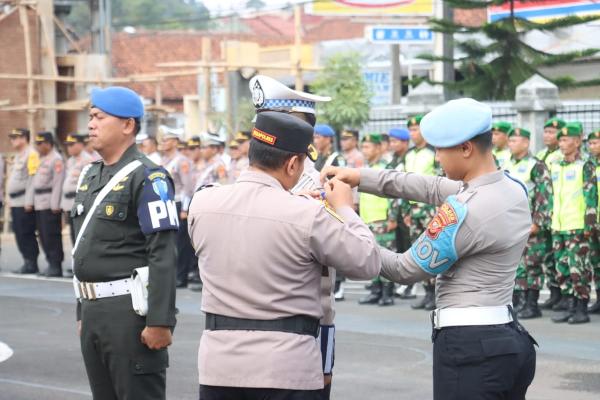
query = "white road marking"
{"x": 5, "y": 352}
{"x": 45, "y": 387}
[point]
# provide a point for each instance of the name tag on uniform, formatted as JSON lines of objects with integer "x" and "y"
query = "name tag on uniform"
{"x": 522, "y": 169}
{"x": 570, "y": 175}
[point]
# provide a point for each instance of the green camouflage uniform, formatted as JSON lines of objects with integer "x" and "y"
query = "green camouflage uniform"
{"x": 595, "y": 240}
{"x": 537, "y": 256}
{"x": 571, "y": 248}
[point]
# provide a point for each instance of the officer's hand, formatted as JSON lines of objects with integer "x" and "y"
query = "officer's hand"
{"x": 156, "y": 337}
{"x": 28, "y": 209}
{"x": 56, "y": 211}
{"x": 351, "y": 176}
{"x": 338, "y": 194}
{"x": 534, "y": 229}
{"x": 326, "y": 380}
{"x": 183, "y": 215}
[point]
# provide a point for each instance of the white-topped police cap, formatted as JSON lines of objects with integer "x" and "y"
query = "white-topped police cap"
{"x": 210, "y": 139}
{"x": 270, "y": 94}
{"x": 456, "y": 122}
{"x": 170, "y": 133}
{"x": 140, "y": 137}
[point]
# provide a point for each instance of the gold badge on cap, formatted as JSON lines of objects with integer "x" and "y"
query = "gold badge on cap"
{"x": 518, "y": 132}
{"x": 413, "y": 121}
{"x": 109, "y": 210}
{"x": 597, "y": 134}
{"x": 555, "y": 123}
{"x": 312, "y": 152}
{"x": 565, "y": 130}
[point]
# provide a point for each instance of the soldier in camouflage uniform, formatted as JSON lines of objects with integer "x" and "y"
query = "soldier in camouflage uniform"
{"x": 551, "y": 153}
{"x": 538, "y": 253}
{"x": 594, "y": 147}
{"x": 378, "y": 214}
{"x": 420, "y": 159}
{"x": 501, "y": 152}
{"x": 573, "y": 221}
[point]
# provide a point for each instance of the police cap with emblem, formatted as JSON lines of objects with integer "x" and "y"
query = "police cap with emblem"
{"x": 414, "y": 120}
{"x": 269, "y": 94}
{"x": 73, "y": 138}
{"x": 502, "y": 126}
{"x": 349, "y": 133}
{"x": 242, "y": 136}
{"x": 234, "y": 144}
{"x": 118, "y": 101}
{"x": 456, "y": 122}
{"x": 400, "y": 134}
{"x": 193, "y": 142}
{"x": 19, "y": 132}
{"x": 44, "y": 137}
{"x": 211, "y": 139}
{"x": 519, "y": 132}
{"x": 285, "y": 132}
{"x": 573, "y": 128}
{"x": 555, "y": 123}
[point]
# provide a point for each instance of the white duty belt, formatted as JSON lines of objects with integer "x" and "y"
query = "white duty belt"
{"x": 470, "y": 316}
{"x": 102, "y": 290}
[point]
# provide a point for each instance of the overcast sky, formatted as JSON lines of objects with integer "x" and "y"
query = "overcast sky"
{"x": 219, "y": 6}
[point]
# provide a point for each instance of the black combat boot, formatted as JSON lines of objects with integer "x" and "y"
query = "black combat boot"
{"x": 562, "y": 305}
{"x": 407, "y": 293}
{"x": 28, "y": 267}
{"x": 387, "y": 295}
{"x": 531, "y": 309}
{"x": 595, "y": 308}
{"x": 581, "y": 313}
{"x": 519, "y": 300}
{"x": 427, "y": 299}
{"x": 554, "y": 298}
{"x": 374, "y": 296}
{"x": 54, "y": 271}
{"x": 563, "y": 316}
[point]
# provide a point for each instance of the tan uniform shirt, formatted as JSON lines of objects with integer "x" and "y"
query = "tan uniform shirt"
{"x": 180, "y": 168}
{"x": 489, "y": 243}
{"x": 2, "y": 176}
{"x": 45, "y": 190}
{"x": 354, "y": 158}
{"x": 214, "y": 171}
{"x": 280, "y": 242}
{"x": 23, "y": 167}
{"x": 236, "y": 167}
{"x": 74, "y": 167}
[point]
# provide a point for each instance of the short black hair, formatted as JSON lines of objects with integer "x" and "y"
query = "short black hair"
{"x": 153, "y": 140}
{"x": 263, "y": 156}
{"x": 483, "y": 142}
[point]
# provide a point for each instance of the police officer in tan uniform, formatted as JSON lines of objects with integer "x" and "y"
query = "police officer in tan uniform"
{"x": 480, "y": 350}
{"x": 214, "y": 169}
{"x": 78, "y": 159}
{"x": 24, "y": 165}
{"x": 270, "y": 302}
{"x": 44, "y": 195}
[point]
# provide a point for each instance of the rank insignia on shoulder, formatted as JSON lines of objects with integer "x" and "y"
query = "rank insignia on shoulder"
{"x": 118, "y": 187}
{"x": 83, "y": 188}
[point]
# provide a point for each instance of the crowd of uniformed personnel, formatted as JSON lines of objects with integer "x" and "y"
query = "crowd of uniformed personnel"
{"x": 563, "y": 251}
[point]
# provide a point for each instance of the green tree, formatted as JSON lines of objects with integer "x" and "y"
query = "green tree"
{"x": 342, "y": 79}
{"x": 492, "y": 68}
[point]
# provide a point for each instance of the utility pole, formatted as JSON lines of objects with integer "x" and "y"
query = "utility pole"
{"x": 298, "y": 47}
{"x": 396, "y": 73}
{"x": 448, "y": 43}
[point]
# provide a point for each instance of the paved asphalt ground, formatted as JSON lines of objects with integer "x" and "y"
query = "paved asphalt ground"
{"x": 382, "y": 353}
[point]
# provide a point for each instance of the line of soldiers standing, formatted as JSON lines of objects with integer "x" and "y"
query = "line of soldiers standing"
{"x": 562, "y": 250}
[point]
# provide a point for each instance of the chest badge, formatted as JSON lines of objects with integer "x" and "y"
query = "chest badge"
{"x": 83, "y": 188}
{"x": 118, "y": 187}
{"x": 109, "y": 210}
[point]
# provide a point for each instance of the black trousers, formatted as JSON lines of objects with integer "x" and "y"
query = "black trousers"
{"x": 482, "y": 362}
{"x": 49, "y": 226}
{"x": 23, "y": 225}
{"x": 235, "y": 393}
{"x": 118, "y": 365}
{"x": 186, "y": 258}
{"x": 69, "y": 220}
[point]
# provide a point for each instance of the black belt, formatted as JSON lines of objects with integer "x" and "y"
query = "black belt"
{"x": 70, "y": 195}
{"x": 300, "y": 324}
{"x": 43, "y": 191}
{"x": 16, "y": 194}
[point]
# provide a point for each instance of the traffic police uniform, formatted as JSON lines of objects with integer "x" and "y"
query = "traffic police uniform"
{"x": 75, "y": 164}
{"x": 134, "y": 226}
{"x": 332, "y": 158}
{"x": 420, "y": 161}
{"x": 44, "y": 195}
{"x": 180, "y": 169}
{"x": 538, "y": 253}
{"x": 480, "y": 350}
{"x": 377, "y": 212}
{"x": 215, "y": 169}
{"x": 270, "y": 302}
{"x": 548, "y": 155}
{"x": 23, "y": 167}
{"x": 574, "y": 213}
{"x": 502, "y": 155}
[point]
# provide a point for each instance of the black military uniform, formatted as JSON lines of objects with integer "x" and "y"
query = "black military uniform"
{"x": 135, "y": 225}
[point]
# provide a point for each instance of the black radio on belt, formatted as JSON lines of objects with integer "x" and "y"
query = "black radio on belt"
{"x": 43, "y": 191}
{"x": 16, "y": 194}
{"x": 299, "y": 324}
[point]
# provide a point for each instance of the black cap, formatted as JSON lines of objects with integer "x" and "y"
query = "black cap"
{"x": 19, "y": 132}
{"x": 285, "y": 132}
{"x": 349, "y": 133}
{"x": 75, "y": 138}
{"x": 42, "y": 137}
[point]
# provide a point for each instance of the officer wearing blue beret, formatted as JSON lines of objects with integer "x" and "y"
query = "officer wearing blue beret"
{"x": 480, "y": 350}
{"x": 125, "y": 218}
{"x": 324, "y": 143}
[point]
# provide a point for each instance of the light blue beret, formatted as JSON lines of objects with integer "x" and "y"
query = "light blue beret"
{"x": 456, "y": 122}
{"x": 399, "y": 133}
{"x": 324, "y": 130}
{"x": 118, "y": 101}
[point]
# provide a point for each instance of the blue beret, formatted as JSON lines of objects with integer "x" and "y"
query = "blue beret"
{"x": 118, "y": 101}
{"x": 399, "y": 133}
{"x": 324, "y": 130}
{"x": 456, "y": 122}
